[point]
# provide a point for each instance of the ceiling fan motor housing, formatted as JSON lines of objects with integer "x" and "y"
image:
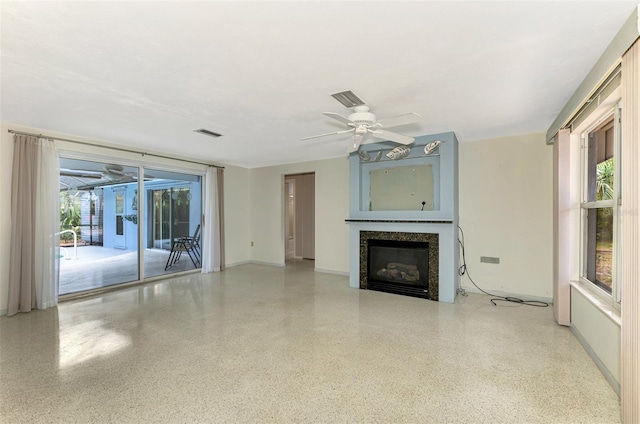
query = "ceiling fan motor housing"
{"x": 362, "y": 116}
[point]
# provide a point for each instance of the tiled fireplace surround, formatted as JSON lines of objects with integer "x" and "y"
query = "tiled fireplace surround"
{"x": 370, "y": 237}
{"x": 444, "y": 289}
{"x": 409, "y": 225}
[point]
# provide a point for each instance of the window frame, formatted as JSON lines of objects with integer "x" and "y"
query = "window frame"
{"x": 585, "y": 206}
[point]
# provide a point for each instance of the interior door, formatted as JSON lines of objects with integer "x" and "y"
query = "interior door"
{"x": 304, "y": 214}
{"x": 161, "y": 219}
{"x": 119, "y": 239}
{"x": 289, "y": 218}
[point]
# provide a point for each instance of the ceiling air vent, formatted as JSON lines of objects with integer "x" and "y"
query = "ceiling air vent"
{"x": 207, "y": 132}
{"x": 348, "y": 98}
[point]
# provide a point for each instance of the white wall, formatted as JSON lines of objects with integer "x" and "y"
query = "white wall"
{"x": 506, "y": 201}
{"x": 332, "y": 208}
{"x": 599, "y": 332}
{"x": 237, "y": 213}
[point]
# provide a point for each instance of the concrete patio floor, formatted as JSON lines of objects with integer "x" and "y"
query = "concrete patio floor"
{"x": 98, "y": 266}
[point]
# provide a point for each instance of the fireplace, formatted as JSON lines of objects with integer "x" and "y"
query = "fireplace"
{"x": 406, "y": 208}
{"x": 399, "y": 262}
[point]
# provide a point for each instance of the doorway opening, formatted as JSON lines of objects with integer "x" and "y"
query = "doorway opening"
{"x": 299, "y": 207}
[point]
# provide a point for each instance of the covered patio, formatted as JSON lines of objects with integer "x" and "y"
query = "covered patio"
{"x": 97, "y": 267}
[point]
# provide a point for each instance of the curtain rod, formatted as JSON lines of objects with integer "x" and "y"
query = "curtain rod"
{"x": 114, "y": 148}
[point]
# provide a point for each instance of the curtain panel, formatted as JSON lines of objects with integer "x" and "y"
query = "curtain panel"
{"x": 213, "y": 223}
{"x": 630, "y": 236}
{"x": 35, "y": 222}
{"x": 562, "y": 237}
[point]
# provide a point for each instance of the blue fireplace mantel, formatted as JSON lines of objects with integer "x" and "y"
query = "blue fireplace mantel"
{"x": 441, "y": 219}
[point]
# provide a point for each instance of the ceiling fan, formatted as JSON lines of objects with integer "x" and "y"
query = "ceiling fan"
{"x": 78, "y": 173}
{"x": 116, "y": 173}
{"x": 110, "y": 172}
{"x": 362, "y": 122}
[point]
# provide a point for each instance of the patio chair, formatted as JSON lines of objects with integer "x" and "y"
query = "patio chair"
{"x": 190, "y": 245}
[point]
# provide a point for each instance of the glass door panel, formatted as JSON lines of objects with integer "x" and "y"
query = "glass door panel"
{"x": 173, "y": 216}
{"x": 98, "y": 225}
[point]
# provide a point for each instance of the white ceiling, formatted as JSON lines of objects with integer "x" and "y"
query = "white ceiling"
{"x": 145, "y": 74}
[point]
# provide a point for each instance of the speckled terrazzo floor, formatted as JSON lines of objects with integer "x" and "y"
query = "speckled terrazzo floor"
{"x": 267, "y": 344}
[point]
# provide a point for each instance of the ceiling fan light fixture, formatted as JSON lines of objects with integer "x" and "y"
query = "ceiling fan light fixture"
{"x": 348, "y": 98}
{"x": 207, "y": 132}
{"x": 362, "y": 122}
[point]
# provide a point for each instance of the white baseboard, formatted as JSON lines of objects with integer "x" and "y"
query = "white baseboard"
{"x": 267, "y": 263}
{"x": 474, "y": 289}
{"x": 253, "y": 262}
{"x": 328, "y": 271}
{"x": 236, "y": 264}
{"x": 331, "y": 271}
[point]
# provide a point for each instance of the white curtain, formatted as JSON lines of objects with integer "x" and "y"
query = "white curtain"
{"x": 47, "y": 226}
{"x": 562, "y": 234}
{"x": 35, "y": 222}
{"x": 630, "y": 236}
{"x": 213, "y": 225}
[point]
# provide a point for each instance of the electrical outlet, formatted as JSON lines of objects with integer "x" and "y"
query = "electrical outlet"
{"x": 251, "y": 244}
{"x": 489, "y": 260}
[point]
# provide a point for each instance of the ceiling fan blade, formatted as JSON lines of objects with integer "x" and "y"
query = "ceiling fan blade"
{"x": 391, "y": 136}
{"x": 407, "y": 118}
{"x": 340, "y": 118}
{"x": 80, "y": 173}
{"x": 331, "y": 133}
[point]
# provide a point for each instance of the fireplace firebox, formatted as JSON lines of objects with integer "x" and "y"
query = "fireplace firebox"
{"x": 400, "y": 263}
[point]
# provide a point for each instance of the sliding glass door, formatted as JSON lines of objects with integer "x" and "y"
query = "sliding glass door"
{"x": 104, "y": 220}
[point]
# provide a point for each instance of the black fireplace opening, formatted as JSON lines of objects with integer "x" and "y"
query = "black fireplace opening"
{"x": 398, "y": 266}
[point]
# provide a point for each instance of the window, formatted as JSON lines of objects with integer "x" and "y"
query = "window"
{"x": 599, "y": 204}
